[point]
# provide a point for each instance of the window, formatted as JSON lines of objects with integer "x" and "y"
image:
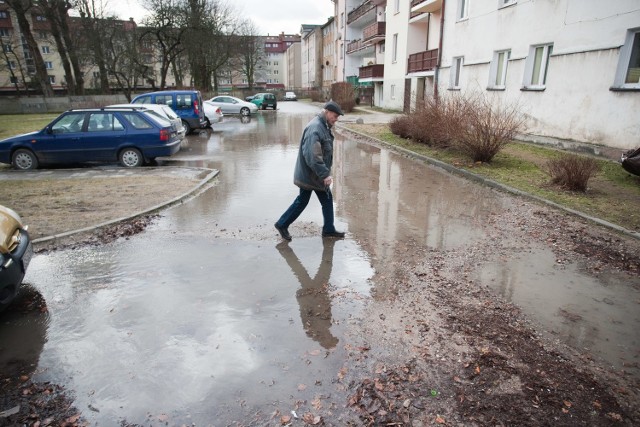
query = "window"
{"x": 7, "y": 47}
{"x": 14, "y": 79}
{"x": 3, "y": 14}
{"x": 184, "y": 101}
{"x": 342, "y": 20}
{"x": 498, "y": 71}
{"x": 381, "y": 48}
{"x": 396, "y": 6}
{"x": 4, "y": 32}
{"x": 137, "y": 121}
{"x": 12, "y": 65}
{"x": 45, "y": 49}
{"x": 275, "y": 62}
{"x": 456, "y": 69}
{"x": 536, "y": 66}
{"x": 463, "y": 9}
{"x": 52, "y": 79}
{"x": 628, "y": 71}
{"x": 41, "y": 18}
{"x": 393, "y": 91}
{"x": 48, "y": 65}
{"x": 394, "y": 47}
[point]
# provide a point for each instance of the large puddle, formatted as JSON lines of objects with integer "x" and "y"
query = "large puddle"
{"x": 207, "y": 315}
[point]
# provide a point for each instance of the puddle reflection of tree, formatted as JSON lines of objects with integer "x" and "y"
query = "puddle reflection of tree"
{"x": 313, "y": 297}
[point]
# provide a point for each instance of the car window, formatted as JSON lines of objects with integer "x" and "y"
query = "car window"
{"x": 164, "y": 100}
{"x": 69, "y": 123}
{"x": 103, "y": 122}
{"x": 184, "y": 101}
{"x": 137, "y": 121}
{"x": 142, "y": 100}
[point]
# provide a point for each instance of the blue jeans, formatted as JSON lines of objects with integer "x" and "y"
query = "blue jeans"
{"x": 301, "y": 202}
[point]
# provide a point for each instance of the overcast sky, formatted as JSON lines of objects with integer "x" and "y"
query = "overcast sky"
{"x": 270, "y": 16}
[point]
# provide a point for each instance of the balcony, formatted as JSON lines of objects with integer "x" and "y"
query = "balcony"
{"x": 422, "y": 61}
{"x": 360, "y": 11}
{"x": 426, "y": 6}
{"x": 360, "y": 47}
{"x": 375, "y": 71}
{"x": 375, "y": 32}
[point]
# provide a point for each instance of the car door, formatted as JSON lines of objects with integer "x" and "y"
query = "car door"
{"x": 61, "y": 141}
{"x": 104, "y": 134}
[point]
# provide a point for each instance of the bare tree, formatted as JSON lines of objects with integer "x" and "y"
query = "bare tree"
{"x": 92, "y": 18}
{"x": 57, "y": 14}
{"x": 22, "y": 8}
{"x": 249, "y": 52}
{"x": 164, "y": 27}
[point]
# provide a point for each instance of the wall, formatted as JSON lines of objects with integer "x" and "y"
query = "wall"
{"x": 37, "y": 104}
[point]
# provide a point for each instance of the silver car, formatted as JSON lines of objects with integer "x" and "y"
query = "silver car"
{"x": 233, "y": 105}
{"x": 164, "y": 111}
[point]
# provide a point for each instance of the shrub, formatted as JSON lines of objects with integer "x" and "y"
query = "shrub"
{"x": 316, "y": 96}
{"x": 399, "y": 125}
{"x": 485, "y": 128}
{"x": 571, "y": 171}
{"x": 344, "y": 94}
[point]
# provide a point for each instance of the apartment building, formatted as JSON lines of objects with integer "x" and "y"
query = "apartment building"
{"x": 275, "y": 63}
{"x": 328, "y": 63}
{"x": 293, "y": 67}
{"x": 573, "y": 66}
{"x": 311, "y": 56}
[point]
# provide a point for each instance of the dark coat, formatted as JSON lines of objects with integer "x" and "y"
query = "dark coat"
{"x": 315, "y": 155}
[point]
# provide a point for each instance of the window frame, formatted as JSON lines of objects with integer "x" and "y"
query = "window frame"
{"x": 632, "y": 39}
{"x": 499, "y": 66}
{"x": 506, "y": 3}
{"x": 530, "y": 67}
{"x": 462, "y": 13}
{"x": 394, "y": 49}
{"x": 457, "y": 63}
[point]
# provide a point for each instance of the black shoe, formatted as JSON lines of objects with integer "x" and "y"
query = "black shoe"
{"x": 336, "y": 234}
{"x": 283, "y": 231}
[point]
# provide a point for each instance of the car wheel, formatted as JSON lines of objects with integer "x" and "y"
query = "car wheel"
{"x": 24, "y": 159}
{"x": 187, "y": 128}
{"x": 263, "y": 107}
{"x": 208, "y": 122}
{"x": 130, "y": 157}
{"x": 245, "y": 111}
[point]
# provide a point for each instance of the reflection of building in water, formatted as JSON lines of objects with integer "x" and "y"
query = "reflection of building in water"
{"x": 313, "y": 296}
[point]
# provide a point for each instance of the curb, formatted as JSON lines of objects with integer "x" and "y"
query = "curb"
{"x": 493, "y": 184}
{"x": 212, "y": 174}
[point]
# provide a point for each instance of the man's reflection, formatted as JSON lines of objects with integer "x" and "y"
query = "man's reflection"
{"x": 313, "y": 296}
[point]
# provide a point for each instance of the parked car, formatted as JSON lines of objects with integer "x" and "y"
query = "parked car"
{"x": 290, "y": 96}
{"x": 163, "y": 111}
{"x": 16, "y": 251}
{"x": 127, "y": 135}
{"x": 186, "y": 103}
{"x": 265, "y": 100}
{"x": 249, "y": 98}
{"x": 212, "y": 113}
{"x": 233, "y": 105}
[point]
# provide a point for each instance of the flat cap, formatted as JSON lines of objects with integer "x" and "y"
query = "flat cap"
{"x": 333, "y": 106}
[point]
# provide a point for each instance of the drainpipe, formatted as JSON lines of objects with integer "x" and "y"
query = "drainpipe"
{"x": 437, "y": 71}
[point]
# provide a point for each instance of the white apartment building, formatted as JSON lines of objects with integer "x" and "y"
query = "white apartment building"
{"x": 311, "y": 56}
{"x": 572, "y": 65}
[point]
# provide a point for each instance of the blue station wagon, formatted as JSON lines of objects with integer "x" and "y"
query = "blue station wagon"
{"x": 186, "y": 103}
{"x": 127, "y": 135}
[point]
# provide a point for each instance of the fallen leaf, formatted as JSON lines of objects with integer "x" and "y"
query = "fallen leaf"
{"x": 477, "y": 370}
{"x": 597, "y": 404}
{"x": 302, "y": 387}
{"x": 440, "y": 420}
{"x": 285, "y": 419}
{"x": 314, "y": 352}
{"x": 567, "y": 403}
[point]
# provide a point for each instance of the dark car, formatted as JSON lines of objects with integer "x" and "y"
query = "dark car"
{"x": 128, "y": 135}
{"x": 16, "y": 251}
{"x": 265, "y": 100}
{"x": 186, "y": 103}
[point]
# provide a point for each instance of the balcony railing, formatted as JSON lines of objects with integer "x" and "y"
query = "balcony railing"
{"x": 422, "y": 61}
{"x": 354, "y": 45}
{"x": 427, "y": 5}
{"x": 359, "y": 11}
{"x": 371, "y": 71}
{"x": 374, "y": 30}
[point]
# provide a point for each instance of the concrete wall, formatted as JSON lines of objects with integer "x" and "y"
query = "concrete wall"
{"x": 36, "y": 104}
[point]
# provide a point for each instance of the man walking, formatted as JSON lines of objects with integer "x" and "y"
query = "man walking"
{"x": 313, "y": 171}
